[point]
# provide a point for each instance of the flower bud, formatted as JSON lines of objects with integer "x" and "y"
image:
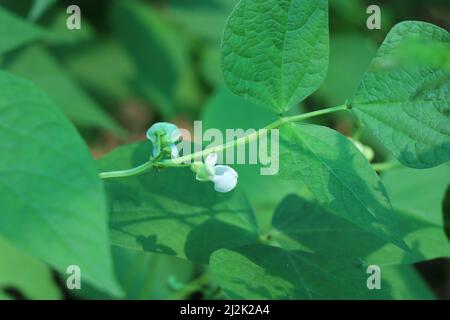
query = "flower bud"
{"x": 164, "y": 136}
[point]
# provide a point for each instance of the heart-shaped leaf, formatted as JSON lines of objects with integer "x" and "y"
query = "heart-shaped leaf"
{"x": 53, "y": 204}
{"x": 407, "y": 106}
{"x": 27, "y": 276}
{"x": 339, "y": 176}
{"x": 275, "y": 52}
{"x": 310, "y": 254}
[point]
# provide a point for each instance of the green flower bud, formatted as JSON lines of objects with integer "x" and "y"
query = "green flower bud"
{"x": 164, "y": 136}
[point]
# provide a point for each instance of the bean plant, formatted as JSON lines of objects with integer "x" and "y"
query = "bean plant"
{"x": 314, "y": 230}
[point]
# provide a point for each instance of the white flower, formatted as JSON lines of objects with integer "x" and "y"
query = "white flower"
{"x": 223, "y": 177}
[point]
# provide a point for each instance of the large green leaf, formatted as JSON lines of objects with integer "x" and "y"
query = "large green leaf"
{"x": 53, "y": 204}
{"x": 265, "y": 272}
{"x": 36, "y": 64}
{"x": 170, "y": 212}
{"x": 419, "y": 212}
{"x": 309, "y": 254}
{"x": 299, "y": 224}
{"x": 427, "y": 52}
{"x": 29, "y": 277}
{"x": 275, "y": 52}
{"x": 339, "y": 176}
{"x": 15, "y": 32}
{"x": 407, "y": 106}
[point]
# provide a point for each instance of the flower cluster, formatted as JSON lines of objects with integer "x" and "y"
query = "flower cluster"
{"x": 164, "y": 137}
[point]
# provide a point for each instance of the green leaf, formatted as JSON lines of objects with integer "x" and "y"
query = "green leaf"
{"x": 36, "y": 64}
{"x": 298, "y": 224}
{"x": 339, "y": 176}
{"x": 419, "y": 212}
{"x": 428, "y": 53}
{"x": 15, "y": 32}
{"x": 265, "y": 272}
{"x": 309, "y": 254}
{"x": 160, "y": 55}
{"x": 275, "y": 52}
{"x": 53, "y": 204}
{"x": 170, "y": 212}
{"x": 30, "y": 277}
{"x": 407, "y": 107}
{"x": 39, "y": 7}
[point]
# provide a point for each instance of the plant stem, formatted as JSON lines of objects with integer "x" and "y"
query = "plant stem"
{"x": 129, "y": 172}
{"x": 182, "y": 161}
{"x": 315, "y": 113}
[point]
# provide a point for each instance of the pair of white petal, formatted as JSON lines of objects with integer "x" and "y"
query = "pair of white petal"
{"x": 223, "y": 177}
